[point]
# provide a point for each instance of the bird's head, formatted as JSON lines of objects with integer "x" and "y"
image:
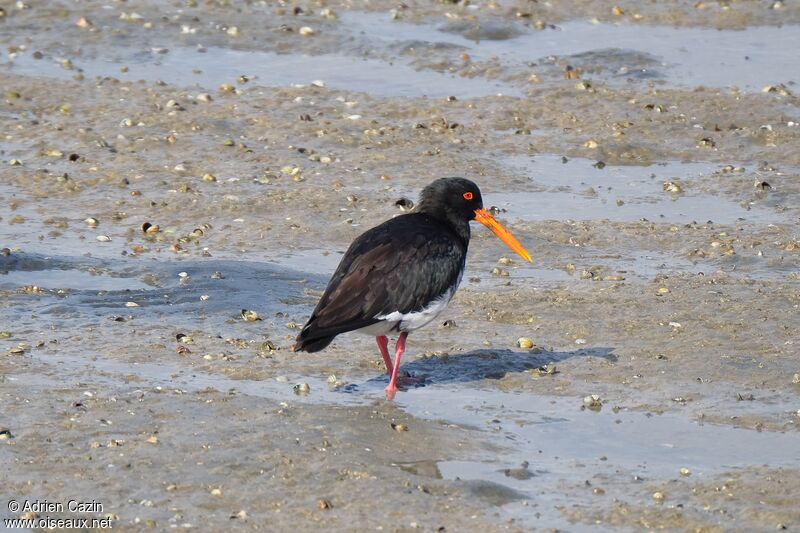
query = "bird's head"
{"x": 459, "y": 201}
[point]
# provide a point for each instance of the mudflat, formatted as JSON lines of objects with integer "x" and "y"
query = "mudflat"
{"x": 179, "y": 181}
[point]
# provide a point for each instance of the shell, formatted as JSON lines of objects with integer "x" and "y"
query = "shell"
{"x": 525, "y": 343}
{"x": 150, "y": 229}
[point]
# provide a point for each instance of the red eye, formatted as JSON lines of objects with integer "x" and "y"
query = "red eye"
{"x": 467, "y": 196}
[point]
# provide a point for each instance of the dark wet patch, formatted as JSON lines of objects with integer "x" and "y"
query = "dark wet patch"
{"x": 492, "y": 364}
{"x": 493, "y": 493}
{"x": 427, "y": 468}
{"x": 482, "y": 31}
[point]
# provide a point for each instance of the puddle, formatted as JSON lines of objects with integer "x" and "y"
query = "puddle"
{"x": 321, "y": 262}
{"x": 554, "y": 205}
{"x": 81, "y": 291}
{"x": 68, "y": 279}
{"x": 185, "y": 66}
{"x": 579, "y": 191}
{"x": 631, "y": 266}
{"x": 550, "y": 442}
{"x": 553, "y": 434}
{"x": 748, "y": 59}
{"x": 169, "y": 375}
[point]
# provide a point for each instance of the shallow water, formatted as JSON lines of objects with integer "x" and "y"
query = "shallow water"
{"x": 576, "y": 189}
{"x": 208, "y": 70}
{"x": 748, "y": 59}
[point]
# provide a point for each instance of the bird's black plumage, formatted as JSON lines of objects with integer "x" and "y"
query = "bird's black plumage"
{"x": 400, "y": 266}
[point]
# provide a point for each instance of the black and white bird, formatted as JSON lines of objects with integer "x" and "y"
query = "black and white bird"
{"x": 398, "y": 276}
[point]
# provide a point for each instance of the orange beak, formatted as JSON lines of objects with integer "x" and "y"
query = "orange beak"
{"x": 483, "y": 216}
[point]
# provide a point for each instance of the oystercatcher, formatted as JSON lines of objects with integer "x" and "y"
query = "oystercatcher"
{"x": 398, "y": 276}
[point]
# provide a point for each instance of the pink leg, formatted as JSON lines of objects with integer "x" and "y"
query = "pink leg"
{"x": 383, "y": 345}
{"x": 391, "y": 389}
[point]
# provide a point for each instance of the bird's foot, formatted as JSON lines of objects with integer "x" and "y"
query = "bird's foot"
{"x": 390, "y": 392}
{"x": 401, "y": 383}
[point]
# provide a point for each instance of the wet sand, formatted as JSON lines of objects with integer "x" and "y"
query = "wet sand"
{"x": 647, "y": 156}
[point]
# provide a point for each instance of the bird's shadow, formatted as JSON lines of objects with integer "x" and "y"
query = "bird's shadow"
{"x": 477, "y": 365}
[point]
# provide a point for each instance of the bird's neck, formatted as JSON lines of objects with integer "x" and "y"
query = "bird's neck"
{"x": 457, "y": 225}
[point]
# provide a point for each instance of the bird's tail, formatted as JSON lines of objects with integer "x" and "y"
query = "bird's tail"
{"x": 311, "y": 339}
{"x": 315, "y": 336}
{"x": 311, "y": 344}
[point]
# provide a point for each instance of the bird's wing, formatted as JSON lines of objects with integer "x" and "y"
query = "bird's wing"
{"x": 401, "y": 265}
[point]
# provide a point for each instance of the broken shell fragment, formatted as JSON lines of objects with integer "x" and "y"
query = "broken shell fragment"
{"x": 547, "y": 370}
{"x": 404, "y": 204}
{"x": 593, "y": 402}
{"x": 103, "y": 238}
{"x": 249, "y": 315}
{"x": 322, "y": 503}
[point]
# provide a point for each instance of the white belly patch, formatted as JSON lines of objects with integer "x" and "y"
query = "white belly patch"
{"x": 395, "y": 321}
